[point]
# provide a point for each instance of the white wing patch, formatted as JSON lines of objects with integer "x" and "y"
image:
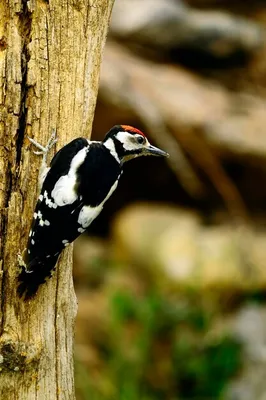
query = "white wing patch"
{"x": 87, "y": 214}
{"x": 64, "y": 192}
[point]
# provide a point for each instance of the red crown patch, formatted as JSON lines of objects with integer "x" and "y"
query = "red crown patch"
{"x": 132, "y": 129}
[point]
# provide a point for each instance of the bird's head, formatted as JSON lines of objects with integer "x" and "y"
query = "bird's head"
{"x": 126, "y": 143}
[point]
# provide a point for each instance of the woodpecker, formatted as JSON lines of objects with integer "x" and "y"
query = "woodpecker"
{"x": 81, "y": 178}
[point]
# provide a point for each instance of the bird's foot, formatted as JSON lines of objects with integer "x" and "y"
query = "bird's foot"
{"x": 21, "y": 261}
{"x": 44, "y": 150}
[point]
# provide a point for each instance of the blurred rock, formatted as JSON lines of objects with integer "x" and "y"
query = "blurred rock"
{"x": 173, "y": 246}
{"x": 171, "y": 26}
{"x": 200, "y": 123}
{"x": 208, "y": 125}
{"x": 240, "y": 4}
{"x": 189, "y": 105}
{"x": 152, "y": 22}
{"x": 249, "y": 326}
{"x": 143, "y": 225}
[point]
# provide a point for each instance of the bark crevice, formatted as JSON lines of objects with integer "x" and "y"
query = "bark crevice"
{"x": 12, "y": 171}
{"x": 25, "y": 26}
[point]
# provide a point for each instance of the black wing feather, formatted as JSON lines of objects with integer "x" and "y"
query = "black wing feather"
{"x": 30, "y": 282}
{"x": 96, "y": 176}
{"x": 41, "y": 257}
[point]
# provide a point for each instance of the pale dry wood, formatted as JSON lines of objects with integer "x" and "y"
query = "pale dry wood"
{"x": 50, "y": 55}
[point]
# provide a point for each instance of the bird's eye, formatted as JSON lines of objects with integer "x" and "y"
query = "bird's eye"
{"x": 140, "y": 139}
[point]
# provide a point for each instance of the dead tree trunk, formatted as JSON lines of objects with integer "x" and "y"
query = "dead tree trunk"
{"x": 50, "y": 55}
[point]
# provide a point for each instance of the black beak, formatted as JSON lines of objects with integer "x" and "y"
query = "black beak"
{"x": 154, "y": 151}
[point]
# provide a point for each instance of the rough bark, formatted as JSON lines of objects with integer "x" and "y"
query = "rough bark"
{"x": 50, "y": 55}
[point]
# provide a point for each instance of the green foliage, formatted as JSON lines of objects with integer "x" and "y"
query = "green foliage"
{"x": 203, "y": 370}
{"x": 157, "y": 348}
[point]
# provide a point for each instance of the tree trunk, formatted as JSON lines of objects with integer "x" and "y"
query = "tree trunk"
{"x": 50, "y": 55}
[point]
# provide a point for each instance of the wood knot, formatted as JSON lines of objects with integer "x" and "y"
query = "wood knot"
{"x": 3, "y": 43}
{"x": 18, "y": 356}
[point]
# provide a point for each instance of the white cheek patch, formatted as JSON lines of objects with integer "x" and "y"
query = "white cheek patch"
{"x": 64, "y": 192}
{"x": 128, "y": 141}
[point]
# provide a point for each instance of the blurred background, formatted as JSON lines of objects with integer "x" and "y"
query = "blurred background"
{"x": 171, "y": 277}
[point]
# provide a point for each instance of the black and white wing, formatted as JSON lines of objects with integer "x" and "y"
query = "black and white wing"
{"x": 55, "y": 221}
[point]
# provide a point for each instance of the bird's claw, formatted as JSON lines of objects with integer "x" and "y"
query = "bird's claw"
{"x": 44, "y": 149}
{"x": 21, "y": 261}
{"x": 38, "y": 145}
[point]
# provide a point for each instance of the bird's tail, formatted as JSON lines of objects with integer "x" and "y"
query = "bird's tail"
{"x": 34, "y": 275}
